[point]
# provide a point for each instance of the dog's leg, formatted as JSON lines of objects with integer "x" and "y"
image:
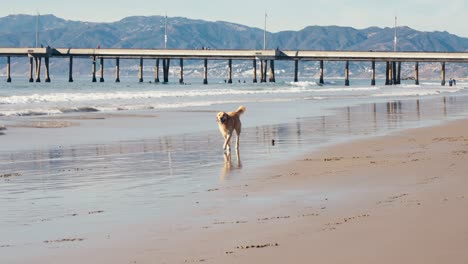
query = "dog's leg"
{"x": 238, "y": 131}
{"x": 227, "y": 142}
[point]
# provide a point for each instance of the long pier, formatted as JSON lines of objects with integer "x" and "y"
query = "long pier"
{"x": 393, "y": 61}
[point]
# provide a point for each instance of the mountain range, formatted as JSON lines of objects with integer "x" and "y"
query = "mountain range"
{"x": 184, "y": 33}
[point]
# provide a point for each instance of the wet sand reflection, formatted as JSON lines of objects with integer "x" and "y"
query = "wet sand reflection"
{"x": 228, "y": 164}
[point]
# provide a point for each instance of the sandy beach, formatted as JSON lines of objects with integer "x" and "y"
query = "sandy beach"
{"x": 392, "y": 199}
{"x": 361, "y": 180}
{"x": 398, "y": 198}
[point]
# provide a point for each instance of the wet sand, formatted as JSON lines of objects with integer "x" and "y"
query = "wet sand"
{"x": 394, "y": 199}
{"x": 400, "y": 197}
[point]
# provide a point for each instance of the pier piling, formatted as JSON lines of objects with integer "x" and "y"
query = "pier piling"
{"x": 398, "y": 78}
{"x": 38, "y": 69}
{"x": 156, "y": 72}
{"x": 70, "y": 69}
{"x": 390, "y": 73}
{"x": 443, "y": 74}
{"x": 94, "y": 69}
{"x": 254, "y": 71}
{"x": 229, "y": 71}
{"x": 416, "y": 73}
{"x": 140, "y": 71}
{"x": 117, "y": 69}
{"x": 296, "y": 70}
{"x": 265, "y": 69}
{"x": 373, "y": 74}
{"x": 347, "y": 73}
{"x": 8, "y": 69}
{"x": 166, "y": 63}
{"x": 394, "y": 73}
{"x": 47, "y": 72}
{"x": 321, "y": 72}
{"x": 261, "y": 71}
{"x": 31, "y": 69}
{"x": 181, "y": 64}
{"x": 272, "y": 71}
{"x": 387, "y": 73}
{"x": 101, "y": 69}
{"x": 205, "y": 71}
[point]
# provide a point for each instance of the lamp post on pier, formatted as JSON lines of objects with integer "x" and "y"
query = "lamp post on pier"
{"x": 264, "y": 32}
{"x": 165, "y": 31}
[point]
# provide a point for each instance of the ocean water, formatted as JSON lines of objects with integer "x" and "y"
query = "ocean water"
{"x": 21, "y": 98}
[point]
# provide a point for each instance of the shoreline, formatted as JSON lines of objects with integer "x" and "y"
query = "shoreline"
{"x": 73, "y": 129}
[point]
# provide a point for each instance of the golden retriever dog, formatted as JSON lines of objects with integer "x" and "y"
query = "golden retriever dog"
{"x": 227, "y": 123}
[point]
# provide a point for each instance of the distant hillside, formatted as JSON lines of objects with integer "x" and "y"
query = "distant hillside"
{"x": 148, "y": 32}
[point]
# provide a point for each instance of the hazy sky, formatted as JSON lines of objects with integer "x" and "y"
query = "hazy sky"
{"x": 426, "y": 15}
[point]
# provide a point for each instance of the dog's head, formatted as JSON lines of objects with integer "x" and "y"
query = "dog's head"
{"x": 221, "y": 117}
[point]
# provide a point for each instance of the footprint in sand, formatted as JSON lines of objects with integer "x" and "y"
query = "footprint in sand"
{"x": 258, "y": 246}
{"x": 392, "y": 199}
{"x": 334, "y": 225}
{"x": 64, "y": 240}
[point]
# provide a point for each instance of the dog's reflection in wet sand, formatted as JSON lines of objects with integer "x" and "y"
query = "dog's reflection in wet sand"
{"x": 228, "y": 164}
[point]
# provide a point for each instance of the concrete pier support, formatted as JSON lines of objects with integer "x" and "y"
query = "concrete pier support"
{"x": 117, "y": 69}
{"x": 229, "y": 71}
{"x": 31, "y": 69}
{"x": 265, "y": 69}
{"x": 261, "y": 71}
{"x": 296, "y": 70}
{"x": 205, "y": 71}
{"x": 38, "y": 69}
{"x": 166, "y": 63}
{"x": 94, "y": 69}
{"x": 390, "y": 73}
{"x": 347, "y": 73}
{"x": 164, "y": 70}
{"x": 398, "y": 78}
{"x": 416, "y": 73}
{"x": 70, "y": 69}
{"x": 156, "y": 72}
{"x": 166, "y": 78}
{"x": 272, "y": 71}
{"x": 101, "y": 69}
{"x": 321, "y": 72}
{"x": 443, "y": 74}
{"x": 47, "y": 71}
{"x": 140, "y": 71}
{"x": 387, "y": 73}
{"x": 8, "y": 69}
{"x": 254, "y": 70}
{"x": 373, "y": 74}
{"x": 181, "y": 64}
{"x": 394, "y": 73}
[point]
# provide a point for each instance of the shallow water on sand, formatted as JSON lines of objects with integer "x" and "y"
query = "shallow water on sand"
{"x": 67, "y": 192}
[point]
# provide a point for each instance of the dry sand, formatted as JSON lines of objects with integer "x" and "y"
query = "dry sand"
{"x": 401, "y": 198}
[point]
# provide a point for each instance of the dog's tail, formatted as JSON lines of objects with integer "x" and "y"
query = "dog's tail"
{"x": 240, "y": 110}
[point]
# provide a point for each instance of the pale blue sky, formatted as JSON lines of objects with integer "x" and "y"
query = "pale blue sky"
{"x": 426, "y": 15}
